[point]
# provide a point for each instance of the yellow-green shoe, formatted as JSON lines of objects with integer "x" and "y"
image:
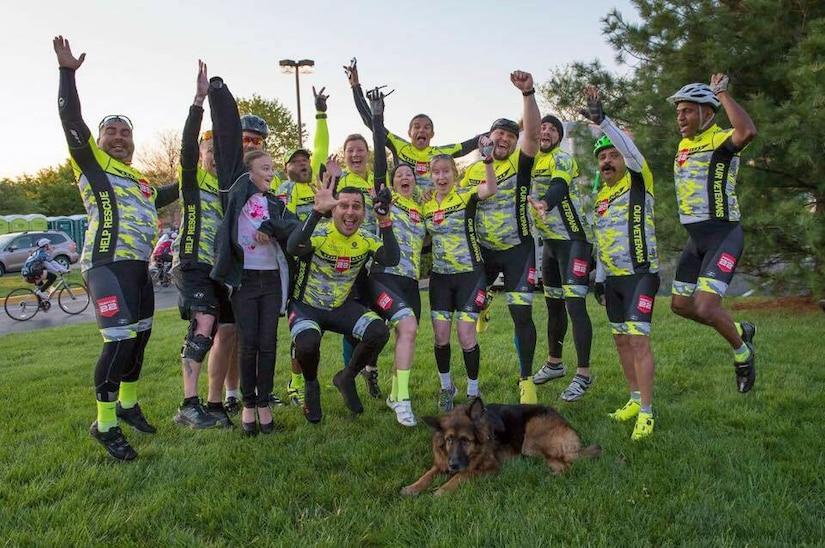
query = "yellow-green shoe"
{"x": 527, "y": 391}
{"x": 485, "y": 315}
{"x": 626, "y": 412}
{"x": 644, "y": 426}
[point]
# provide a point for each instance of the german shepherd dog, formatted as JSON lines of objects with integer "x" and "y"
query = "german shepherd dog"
{"x": 473, "y": 440}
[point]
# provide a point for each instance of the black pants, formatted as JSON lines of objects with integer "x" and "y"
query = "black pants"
{"x": 258, "y": 306}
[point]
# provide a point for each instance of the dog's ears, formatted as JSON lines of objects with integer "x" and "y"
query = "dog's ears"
{"x": 433, "y": 422}
{"x": 476, "y": 409}
{"x": 496, "y": 423}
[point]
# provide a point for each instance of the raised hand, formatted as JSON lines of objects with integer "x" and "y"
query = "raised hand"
{"x": 381, "y": 201}
{"x": 376, "y": 97}
{"x": 334, "y": 166}
{"x": 594, "y": 111}
{"x": 65, "y": 58}
{"x": 485, "y": 148}
{"x": 320, "y": 99}
{"x": 539, "y": 205}
{"x": 202, "y": 81}
{"x": 351, "y": 71}
{"x": 325, "y": 200}
{"x": 522, "y": 80}
{"x": 719, "y": 83}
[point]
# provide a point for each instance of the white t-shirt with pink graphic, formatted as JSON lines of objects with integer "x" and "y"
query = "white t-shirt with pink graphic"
{"x": 256, "y": 255}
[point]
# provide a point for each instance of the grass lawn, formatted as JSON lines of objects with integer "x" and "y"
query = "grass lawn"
{"x": 722, "y": 468}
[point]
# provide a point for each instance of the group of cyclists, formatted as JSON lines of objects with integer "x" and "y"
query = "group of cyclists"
{"x": 340, "y": 248}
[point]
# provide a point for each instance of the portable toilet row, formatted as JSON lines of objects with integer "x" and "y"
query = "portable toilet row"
{"x": 73, "y": 225}
{"x": 22, "y": 223}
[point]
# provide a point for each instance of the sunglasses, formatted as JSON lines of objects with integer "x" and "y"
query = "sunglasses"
{"x": 207, "y": 135}
{"x": 252, "y": 141}
{"x": 440, "y": 157}
{"x": 115, "y": 118}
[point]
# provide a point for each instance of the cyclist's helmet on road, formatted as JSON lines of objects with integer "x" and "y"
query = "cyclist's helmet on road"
{"x": 603, "y": 143}
{"x": 251, "y": 122}
{"x": 696, "y": 93}
{"x": 43, "y": 242}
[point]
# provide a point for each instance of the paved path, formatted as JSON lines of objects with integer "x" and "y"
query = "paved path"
{"x": 165, "y": 297}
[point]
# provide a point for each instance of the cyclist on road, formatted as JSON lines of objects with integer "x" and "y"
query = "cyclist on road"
{"x": 705, "y": 171}
{"x": 121, "y": 207}
{"x": 41, "y": 270}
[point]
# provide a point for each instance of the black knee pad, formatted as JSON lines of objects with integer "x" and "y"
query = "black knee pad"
{"x": 376, "y": 334}
{"x": 307, "y": 343}
{"x": 196, "y": 346}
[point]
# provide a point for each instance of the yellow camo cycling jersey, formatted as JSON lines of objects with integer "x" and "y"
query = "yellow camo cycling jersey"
{"x": 624, "y": 225}
{"x": 705, "y": 170}
{"x": 325, "y": 276}
{"x": 201, "y": 215}
{"x": 120, "y": 205}
{"x": 567, "y": 221}
{"x": 502, "y": 220}
{"x": 419, "y": 159}
{"x": 366, "y": 186}
{"x": 452, "y": 225}
{"x": 297, "y": 197}
{"x": 409, "y": 230}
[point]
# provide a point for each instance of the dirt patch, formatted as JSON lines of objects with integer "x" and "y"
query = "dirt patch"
{"x": 792, "y": 304}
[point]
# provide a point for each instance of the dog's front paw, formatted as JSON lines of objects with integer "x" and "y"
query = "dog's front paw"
{"x": 410, "y": 491}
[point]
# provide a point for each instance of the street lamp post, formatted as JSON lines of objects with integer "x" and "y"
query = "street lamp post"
{"x": 287, "y": 66}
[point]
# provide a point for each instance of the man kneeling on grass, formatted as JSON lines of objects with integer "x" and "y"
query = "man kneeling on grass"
{"x": 330, "y": 257}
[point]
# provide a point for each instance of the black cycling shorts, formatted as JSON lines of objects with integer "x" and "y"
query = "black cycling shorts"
{"x": 123, "y": 297}
{"x": 350, "y": 319}
{"x": 197, "y": 292}
{"x": 565, "y": 268}
{"x": 464, "y": 293}
{"x": 629, "y": 301}
{"x": 395, "y": 297}
{"x": 709, "y": 259}
{"x": 519, "y": 267}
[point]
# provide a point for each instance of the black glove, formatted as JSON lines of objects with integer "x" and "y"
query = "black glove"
{"x": 376, "y": 101}
{"x": 598, "y": 292}
{"x": 381, "y": 202}
{"x": 321, "y": 102}
{"x": 594, "y": 111}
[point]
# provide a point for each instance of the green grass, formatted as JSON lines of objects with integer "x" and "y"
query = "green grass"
{"x": 722, "y": 468}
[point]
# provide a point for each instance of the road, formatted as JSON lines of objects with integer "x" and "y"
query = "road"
{"x": 165, "y": 297}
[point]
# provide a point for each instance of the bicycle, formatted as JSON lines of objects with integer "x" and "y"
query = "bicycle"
{"x": 23, "y": 303}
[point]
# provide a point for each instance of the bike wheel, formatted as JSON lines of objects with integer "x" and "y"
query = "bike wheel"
{"x": 22, "y": 304}
{"x": 73, "y": 298}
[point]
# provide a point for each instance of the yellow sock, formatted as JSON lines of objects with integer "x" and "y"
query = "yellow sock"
{"x": 403, "y": 385}
{"x": 738, "y": 328}
{"x": 394, "y": 387}
{"x": 128, "y": 394}
{"x": 106, "y": 417}
{"x": 297, "y": 380}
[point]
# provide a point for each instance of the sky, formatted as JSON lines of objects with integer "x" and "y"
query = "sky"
{"x": 449, "y": 59}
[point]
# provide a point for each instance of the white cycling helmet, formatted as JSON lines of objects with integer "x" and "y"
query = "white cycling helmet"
{"x": 43, "y": 242}
{"x": 696, "y": 93}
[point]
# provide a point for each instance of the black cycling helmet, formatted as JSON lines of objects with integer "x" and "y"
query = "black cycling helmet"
{"x": 506, "y": 125}
{"x": 556, "y": 122}
{"x": 250, "y": 122}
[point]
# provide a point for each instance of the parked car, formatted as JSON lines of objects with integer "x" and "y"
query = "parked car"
{"x": 16, "y": 247}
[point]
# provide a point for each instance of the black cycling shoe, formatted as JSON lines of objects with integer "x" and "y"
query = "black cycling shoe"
{"x": 372, "y": 383}
{"x": 746, "y": 372}
{"x": 232, "y": 405}
{"x": 114, "y": 442}
{"x": 312, "y": 402}
{"x": 135, "y": 418}
{"x": 195, "y": 415}
{"x": 346, "y": 386}
{"x": 275, "y": 401}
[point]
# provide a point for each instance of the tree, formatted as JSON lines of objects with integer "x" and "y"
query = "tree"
{"x": 773, "y": 51}
{"x": 52, "y": 191}
{"x": 283, "y": 130}
{"x": 159, "y": 164}
{"x": 14, "y": 200}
